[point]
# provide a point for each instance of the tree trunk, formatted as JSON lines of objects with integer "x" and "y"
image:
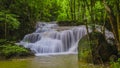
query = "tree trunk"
{"x": 5, "y": 30}
{"x": 71, "y": 9}
{"x": 74, "y": 11}
{"x": 5, "y": 27}
{"x": 113, "y": 22}
{"x": 118, "y": 18}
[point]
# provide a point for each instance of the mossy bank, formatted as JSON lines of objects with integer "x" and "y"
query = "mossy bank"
{"x": 10, "y": 50}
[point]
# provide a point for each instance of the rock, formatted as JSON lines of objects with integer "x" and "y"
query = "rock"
{"x": 99, "y": 50}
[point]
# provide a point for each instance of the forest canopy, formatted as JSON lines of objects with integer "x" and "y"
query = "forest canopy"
{"x": 19, "y": 17}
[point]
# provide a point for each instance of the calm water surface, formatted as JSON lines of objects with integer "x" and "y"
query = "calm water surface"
{"x": 56, "y": 61}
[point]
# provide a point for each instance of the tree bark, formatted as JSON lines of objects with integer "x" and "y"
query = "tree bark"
{"x": 113, "y": 22}
{"x": 74, "y": 11}
{"x": 71, "y": 9}
{"x": 118, "y": 18}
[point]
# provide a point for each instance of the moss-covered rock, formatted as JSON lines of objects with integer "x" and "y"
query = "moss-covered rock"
{"x": 11, "y": 50}
{"x": 84, "y": 50}
{"x": 98, "y": 49}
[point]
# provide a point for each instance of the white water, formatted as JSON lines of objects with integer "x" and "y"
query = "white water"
{"x": 47, "y": 40}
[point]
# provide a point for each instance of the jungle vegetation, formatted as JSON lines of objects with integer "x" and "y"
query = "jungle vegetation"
{"x": 19, "y": 17}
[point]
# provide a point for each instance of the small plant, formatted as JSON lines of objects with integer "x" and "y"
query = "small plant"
{"x": 115, "y": 64}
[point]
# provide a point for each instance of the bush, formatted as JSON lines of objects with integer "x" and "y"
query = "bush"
{"x": 9, "y": 51}
{"x": 115, "y": 64}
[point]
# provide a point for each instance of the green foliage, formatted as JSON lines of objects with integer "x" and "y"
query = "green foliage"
{"x": 96, "y": 49}
{"x": 9, "y": 50}
{"x": 62, "y": 16}
{"x": 2, "y": 41}
{"x": 115, "y": 64}
{"x": 27, "y": 12}
{"x": 10, "y": 19}
{"x": 84, "y": 50}
{"x": 12, "y": 50}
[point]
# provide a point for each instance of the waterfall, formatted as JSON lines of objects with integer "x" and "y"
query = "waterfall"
{"x": 49, "y": 40}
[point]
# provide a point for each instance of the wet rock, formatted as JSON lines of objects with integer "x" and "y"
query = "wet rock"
{"x": 99, "y": 50}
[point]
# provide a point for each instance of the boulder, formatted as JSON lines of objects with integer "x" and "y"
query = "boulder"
{"x": 97, "y": 49}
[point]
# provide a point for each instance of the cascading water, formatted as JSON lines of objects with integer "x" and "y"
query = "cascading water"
{"x": 48, "y": 40}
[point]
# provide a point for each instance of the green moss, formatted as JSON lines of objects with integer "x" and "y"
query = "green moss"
{"x": 97, "y": 50}
{"x": 9, "y": 50}
{"x": 115, "y": 64}
{"x": 84, "y": 50}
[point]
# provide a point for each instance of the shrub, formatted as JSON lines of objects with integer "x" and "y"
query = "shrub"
{"x": 9, "y": 51}
{"x": 115, "y": 64}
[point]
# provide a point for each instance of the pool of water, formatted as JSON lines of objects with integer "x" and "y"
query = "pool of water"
{"x": 54, "y": 61}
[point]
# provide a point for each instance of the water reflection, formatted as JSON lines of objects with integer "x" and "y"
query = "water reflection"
{"x": 57, "y": 61}
{"x": 54, "y": 61}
